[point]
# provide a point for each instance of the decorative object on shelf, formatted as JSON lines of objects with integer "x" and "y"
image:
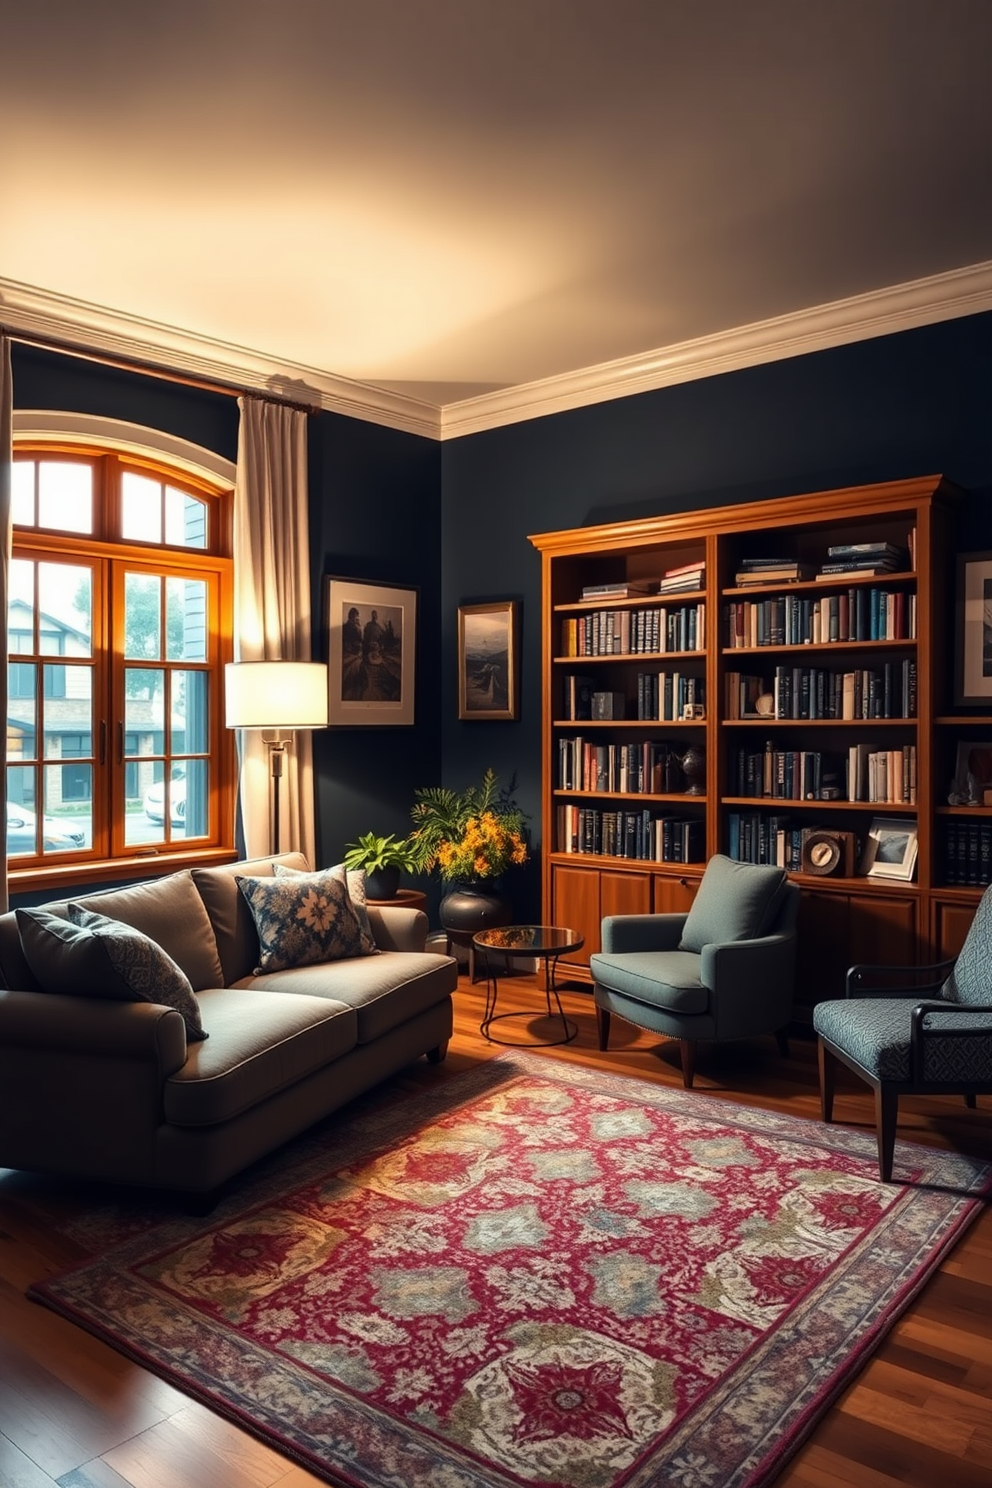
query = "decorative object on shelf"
{"x": 371, "y": 648}
{"x": 693, "y": 764}
{"x": 487, "y": 660}
{"x": 890, "y": 851}
{"x": 973, "y": 641}
{"x": 972, "y": 773}
{"x": 825, "y": 852}
{"x": 383, "y": 859}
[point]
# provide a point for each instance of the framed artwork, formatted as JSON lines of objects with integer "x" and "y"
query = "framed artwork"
{"x": 972, "y": 773}
{"x": 487, "y": 660}
{"x": 371, "y": 652}
{"x": 890, "y": 851}
{"x": 973, "y": 642}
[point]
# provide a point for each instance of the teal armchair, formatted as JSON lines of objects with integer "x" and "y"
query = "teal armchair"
{"x": 726, "y": 970}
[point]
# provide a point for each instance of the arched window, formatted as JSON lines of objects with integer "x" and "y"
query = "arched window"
{"x": 119, "y": 624}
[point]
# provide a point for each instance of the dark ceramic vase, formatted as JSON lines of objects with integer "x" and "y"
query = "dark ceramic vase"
{"x": 470, "y": 908}
{"x": 382, "y": 884}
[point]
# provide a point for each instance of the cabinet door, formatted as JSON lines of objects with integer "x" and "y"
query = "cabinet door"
{"x": 951, "y": 923}
{"x": 624, "y": 893}
{"x": 883, "y": 929}
{"x": 674, "y": 895}
{"x": 838, "y": 930}
{"x": 575, "y": 901}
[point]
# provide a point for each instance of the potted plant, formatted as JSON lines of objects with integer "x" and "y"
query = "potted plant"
{"x": 383, "y": 859}
{"x": 471, "y": 838}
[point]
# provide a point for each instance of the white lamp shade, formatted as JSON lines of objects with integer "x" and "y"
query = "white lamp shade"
{"x": 276, "y": 694}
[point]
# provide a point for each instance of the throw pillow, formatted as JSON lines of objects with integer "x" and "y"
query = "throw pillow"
{"x": 355, "y": 879}
{"x": 91, "y": 956}
{"x": 302, "y": 919}
{"x": 734, "y": 901}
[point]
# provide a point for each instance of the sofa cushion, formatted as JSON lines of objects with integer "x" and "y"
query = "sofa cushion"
{"x": 302, "y": 919}
{"x": 384, "y": 990}
{"x": 169, "y": 911}
{"x": 260, "y": 1045}
{"x": 228, "y": 912}
{"x": 91, "y": 956}
{"x": 734, "y": 901}
{"x": 355, "y": 879}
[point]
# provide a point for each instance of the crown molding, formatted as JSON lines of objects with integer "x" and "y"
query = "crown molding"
{"x": 75, "y": 325}
{"x": 881, "y": 312}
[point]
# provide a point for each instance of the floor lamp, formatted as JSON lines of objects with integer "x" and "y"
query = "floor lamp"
{"x": 276, "y": 697}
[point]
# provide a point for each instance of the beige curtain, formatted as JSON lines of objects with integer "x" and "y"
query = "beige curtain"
{"x": 6, "y": 464}
{"x": 272, "y": 605}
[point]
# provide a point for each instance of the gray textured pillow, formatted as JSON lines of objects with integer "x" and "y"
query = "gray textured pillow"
{"x": 91, "y": 956}
{"x": 355, "y": 879}
{"x": 734, "y": 901}
{"x": 302, "y": 919}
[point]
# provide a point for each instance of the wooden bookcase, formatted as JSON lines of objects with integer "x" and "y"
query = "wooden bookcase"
{"x": 846, "y": 916}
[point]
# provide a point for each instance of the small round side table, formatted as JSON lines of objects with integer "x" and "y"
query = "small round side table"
{"x": 544, "y": 942}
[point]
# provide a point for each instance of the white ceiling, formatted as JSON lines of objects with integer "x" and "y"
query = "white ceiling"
{"x": 449, "y": 198}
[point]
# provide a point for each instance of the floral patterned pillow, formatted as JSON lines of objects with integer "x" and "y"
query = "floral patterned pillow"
{"x": 355, "y": 878}
{"x": 302, "y": 919}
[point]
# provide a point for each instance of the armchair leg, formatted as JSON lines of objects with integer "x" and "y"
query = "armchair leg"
{"x": 828, "y": 1077}
{"x": 886, "y": 1109}
{"x": 971, "y": 1101}
{"x": 603, "y": 1026}
{"x": 687, "y": 1052}
{"x": 781, "y": 1038}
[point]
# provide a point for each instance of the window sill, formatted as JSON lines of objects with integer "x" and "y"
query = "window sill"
{"x": 113, "y": 870}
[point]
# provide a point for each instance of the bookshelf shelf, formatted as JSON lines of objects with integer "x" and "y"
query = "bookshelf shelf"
{"x": 895, "y": 627}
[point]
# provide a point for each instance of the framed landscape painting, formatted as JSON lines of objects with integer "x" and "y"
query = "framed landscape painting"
{"x": 487, "y": 660}
{"x": 371, "y": 649}
{"x": 973, "y": 661}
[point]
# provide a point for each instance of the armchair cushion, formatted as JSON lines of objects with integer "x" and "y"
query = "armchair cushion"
{"x": 668, "y": 979}
{"x": 734, "y": 901}
{"x": 875, "y": 1032}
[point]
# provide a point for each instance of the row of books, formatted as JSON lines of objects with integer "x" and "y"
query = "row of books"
{"x": 884, "y": 775}
{"x": 763, "y": 837}
{"x": 797, "y": 693}
{"x": 662, "y": 697}
{"x": 647, "y": 767}
{"x": 888, "y": 691}
{"x": 635, "y": 632}
{"x": 798, "y": 620}
{"x": 967, "y": 853}
{"x": 630, "y": 834}
{"x": 684, "y": 576}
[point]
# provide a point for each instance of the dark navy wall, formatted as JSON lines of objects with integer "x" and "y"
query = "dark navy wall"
{"x": 917, "y": 403}
{"x": 375, "y": 497}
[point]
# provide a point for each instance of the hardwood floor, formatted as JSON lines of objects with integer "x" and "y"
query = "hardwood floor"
{"x": 75, "y": 1413}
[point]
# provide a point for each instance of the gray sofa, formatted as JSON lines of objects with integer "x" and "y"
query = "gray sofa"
{"x": 114, "y": 1090}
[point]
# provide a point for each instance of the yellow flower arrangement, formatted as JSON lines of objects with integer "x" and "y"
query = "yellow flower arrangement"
{"x": 471, "y": 835}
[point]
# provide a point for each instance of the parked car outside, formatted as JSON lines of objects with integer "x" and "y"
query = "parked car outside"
{"x": 22, "y": 826}
{"x": 154, "y": 800}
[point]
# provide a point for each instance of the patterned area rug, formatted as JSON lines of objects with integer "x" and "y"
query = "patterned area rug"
{"x": 536, "y": 1274}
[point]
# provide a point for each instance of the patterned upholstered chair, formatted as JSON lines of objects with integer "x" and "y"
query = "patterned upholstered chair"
{"x": 725, "y": 970}
{"x": 913, "y": 1030}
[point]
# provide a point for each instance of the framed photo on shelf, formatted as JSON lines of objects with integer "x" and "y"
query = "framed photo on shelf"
{"x": 972, "y": 773}
{"x": 973, "y": 639}
{"x": 488, "y": 660}
{"x": 890, "y": 851}
{"x": 371, "y": 652}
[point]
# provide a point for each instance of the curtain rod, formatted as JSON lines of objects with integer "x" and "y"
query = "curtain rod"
{"x": 151, "y": 369}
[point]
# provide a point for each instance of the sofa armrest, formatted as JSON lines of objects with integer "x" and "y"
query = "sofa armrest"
{"x": 398, "y": 928}
{"x": 139, "y": 1031}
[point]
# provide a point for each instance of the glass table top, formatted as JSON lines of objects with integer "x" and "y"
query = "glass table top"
{"x": 530, "y": 940}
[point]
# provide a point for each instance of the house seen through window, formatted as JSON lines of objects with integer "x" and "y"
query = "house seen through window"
{"x": 119, "y": 624}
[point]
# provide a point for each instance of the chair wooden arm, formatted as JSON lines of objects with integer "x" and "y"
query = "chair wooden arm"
{"x": 913, "y": 980}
